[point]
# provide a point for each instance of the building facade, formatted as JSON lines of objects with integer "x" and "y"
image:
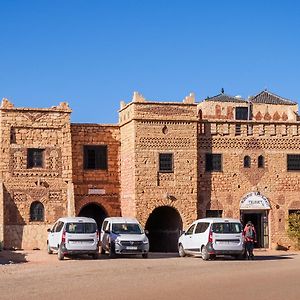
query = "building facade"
{"x": 165, "y": 163}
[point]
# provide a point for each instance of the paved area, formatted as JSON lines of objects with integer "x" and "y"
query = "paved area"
{"x": 37, "y": 275}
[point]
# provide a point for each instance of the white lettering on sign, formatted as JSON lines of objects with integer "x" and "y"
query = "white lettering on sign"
{"x": 96, "y": 192}
{"x": 254, "y": 200}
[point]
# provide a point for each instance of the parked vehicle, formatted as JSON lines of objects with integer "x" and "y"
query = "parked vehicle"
{"x": 123, "y": 236}
{"x": 213, "y": 236}
{"x": 78, "y": 235}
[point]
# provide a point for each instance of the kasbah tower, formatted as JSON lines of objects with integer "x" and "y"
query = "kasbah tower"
{"x": 165, "y": 163}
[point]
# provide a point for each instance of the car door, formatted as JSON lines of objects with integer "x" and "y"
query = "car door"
{"x": 57, "y": 234}
{"x": 187, "y": 238}
{"x": 199, "y": 238}
{"x": 51, "y": 236}
{"x": 104, "y": 237}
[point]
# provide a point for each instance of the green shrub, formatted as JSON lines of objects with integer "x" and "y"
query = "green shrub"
{"x": 294, "y": 228}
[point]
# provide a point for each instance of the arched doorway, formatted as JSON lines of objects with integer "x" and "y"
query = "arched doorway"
{"x": 164, "y": 225}
{"x": 94, "y": 211}
{"x": 255, "y": 207}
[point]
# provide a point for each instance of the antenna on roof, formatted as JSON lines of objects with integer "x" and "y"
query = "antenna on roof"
{"x": 222, "y": 90}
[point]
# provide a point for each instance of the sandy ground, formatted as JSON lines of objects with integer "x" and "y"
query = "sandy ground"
{"x": 37, "y": 275}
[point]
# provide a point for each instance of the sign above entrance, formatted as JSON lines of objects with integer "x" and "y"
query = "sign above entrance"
{"x": 96, "y": 192}
{"x": 254, "y": 200}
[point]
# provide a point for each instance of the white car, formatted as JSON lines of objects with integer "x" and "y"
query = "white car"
{"x": 77, "y": 235}
{"x": 123, "y": 236}
{"x": 213, "y": 236}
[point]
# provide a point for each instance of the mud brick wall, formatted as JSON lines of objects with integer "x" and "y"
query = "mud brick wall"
{"x": 105, "y": 180}
{"x": 47, "y": 129}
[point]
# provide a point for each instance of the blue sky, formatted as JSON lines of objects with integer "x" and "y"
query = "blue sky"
{"x": 93, "y": 54}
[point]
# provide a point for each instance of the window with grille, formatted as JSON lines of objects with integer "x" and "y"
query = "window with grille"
{"x": 95, "y": 157}
{"x": 165, "y": 162}
{"x": 37, "y": 211}
{"x": 213, "y": 162}
{"x": 238, "y": 129}
{"x": 247, "y": 161}
{"x": 35, "y": 158}
{"x": 293, "y": 162}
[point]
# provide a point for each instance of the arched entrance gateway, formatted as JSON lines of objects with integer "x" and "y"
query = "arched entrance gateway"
{"x": 164, "y": 225}
{"x": 255, "y": 207}
{"x": 94, "y": 211}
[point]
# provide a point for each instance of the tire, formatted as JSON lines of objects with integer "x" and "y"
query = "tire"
{"x": 145, "y": 255}
{"x": 60, "y": 254}
{"x": 204, "y": 253}
{"x": 49, "y": 249}
{"x": 95, "y": 255}
{"x": 111, "y": 251}
{"x": 181, "y": 251}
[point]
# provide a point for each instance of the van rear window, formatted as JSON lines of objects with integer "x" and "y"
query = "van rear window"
{"x": 81, "y": 227}
{"x": 226, "y": 227}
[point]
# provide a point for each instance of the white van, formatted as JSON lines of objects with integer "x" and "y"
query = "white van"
{"x": 121, "y": 235}
{"x": 213, "y": 236}
{"x": 77, "y": 235}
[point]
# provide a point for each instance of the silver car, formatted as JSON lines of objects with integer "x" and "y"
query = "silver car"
{"x": 77, "y": 235}
{"x": 123, "y": 236}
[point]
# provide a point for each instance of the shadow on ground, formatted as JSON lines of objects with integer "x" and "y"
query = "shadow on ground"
{"x": 8, "y": 257}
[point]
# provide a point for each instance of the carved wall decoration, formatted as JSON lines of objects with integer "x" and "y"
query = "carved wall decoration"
{"x": 165, "y": 110}
{"x": 33, "y": 116}
{"x": 164, "y": 143}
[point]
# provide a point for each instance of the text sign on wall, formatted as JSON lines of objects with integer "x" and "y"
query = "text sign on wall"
{"x": 96, "y": 192}
{"x": 254, "y": 200}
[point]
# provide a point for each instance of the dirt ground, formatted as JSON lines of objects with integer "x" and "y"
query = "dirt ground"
{"x": 37, "y": 275}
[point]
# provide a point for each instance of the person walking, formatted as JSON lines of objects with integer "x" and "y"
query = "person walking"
{"x": 250, "y": 239}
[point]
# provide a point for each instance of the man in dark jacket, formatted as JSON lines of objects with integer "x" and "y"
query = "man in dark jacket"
{"x": 250, "y": 239}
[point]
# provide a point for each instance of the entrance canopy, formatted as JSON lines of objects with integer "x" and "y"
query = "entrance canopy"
{"x": 254, "y": 201}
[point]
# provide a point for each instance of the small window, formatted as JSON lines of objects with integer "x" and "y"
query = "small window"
{"x": 247, "y": 161}
{"x": 104, "y": 226}
{"x": 294, "y": 211}
{"x": 261, "y": 162}
{"x": 95, "y": 157}
{"x": 201, "y": 227}
{"x": 214, "y": 213}
{"x": 241, "y": 113}
{"x": 165, "y": 162}
{"x": 238, "y": 129}
{"x": 213, "y": 162}
{"x": 59, "y": 226}
{"x": 293, "y": 162}
{"x": 35, "y": 158}
{"x": 190, "y": 230}
{"x": 37, "y": 211}
{"x": 250, "y": 129}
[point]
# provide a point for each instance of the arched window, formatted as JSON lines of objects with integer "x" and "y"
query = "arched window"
{"x": 36, "y": 211}
{"x": 261, "y": 162}
{"x": 247, "y": 161}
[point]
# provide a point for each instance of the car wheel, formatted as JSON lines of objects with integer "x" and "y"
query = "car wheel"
{"x": 181, "y": 251}
{"x": 95, "y": 255}
{"x": 49, "y": 249}
{"x": 145, "y": 255}
{"x": 60, "y": 254}
{"x": 204, "y": 253}
{"x": 111, "y": 251}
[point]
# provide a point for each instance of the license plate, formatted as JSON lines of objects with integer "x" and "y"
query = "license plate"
{"x": 131, "y": 248}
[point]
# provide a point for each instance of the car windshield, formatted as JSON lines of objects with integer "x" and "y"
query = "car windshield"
{"x": 81, "y": 227}
{"x": 127, "y": 228}
{"x": 227, "y": 228}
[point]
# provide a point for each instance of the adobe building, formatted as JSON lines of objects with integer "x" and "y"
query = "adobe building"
{"x": 165, "y": 163}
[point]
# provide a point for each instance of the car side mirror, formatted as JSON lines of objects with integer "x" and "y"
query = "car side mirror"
{"x": 146, "y": 232}
{"x": 48, "y": 230}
